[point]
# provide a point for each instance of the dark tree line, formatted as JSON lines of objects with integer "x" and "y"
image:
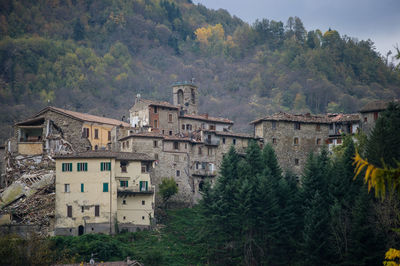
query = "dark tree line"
{"x": 255, "y": 215}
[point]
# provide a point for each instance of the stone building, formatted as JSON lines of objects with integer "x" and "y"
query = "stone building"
{"x": 56, "y": 130}
{"x": 97, "y": 190}
{"x": 186, "y": 145}
{"x": 293, "y": 137}
{"x": 370, "y": 113}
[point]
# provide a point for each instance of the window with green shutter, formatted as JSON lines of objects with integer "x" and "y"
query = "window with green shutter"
{"x": 105, "y": 166}
{"x": 105, "y": 187}
{"x": 82, "y": 187}
{"x": 81, "y": 167}
{"x": 123, "y": 183}
{"x": 67, "y": 167}
{"x": 143, "y": 185}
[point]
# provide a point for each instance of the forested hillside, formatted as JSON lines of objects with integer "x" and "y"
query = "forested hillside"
{"x": 95, "y": 56}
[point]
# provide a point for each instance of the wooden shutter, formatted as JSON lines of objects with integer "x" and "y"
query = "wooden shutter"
{"x": 97, "y": 210}
{"x": 69, "y": 211}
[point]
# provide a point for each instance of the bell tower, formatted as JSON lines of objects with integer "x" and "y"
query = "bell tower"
{"x": 185, "y": 96}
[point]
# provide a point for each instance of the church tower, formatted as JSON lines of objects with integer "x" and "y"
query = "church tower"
{"x": 185, "y": 96}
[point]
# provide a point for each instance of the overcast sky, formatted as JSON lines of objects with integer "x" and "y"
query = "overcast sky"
{"x": 378, "y": 20}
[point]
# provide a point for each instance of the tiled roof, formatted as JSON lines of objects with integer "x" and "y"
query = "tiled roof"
{"x": 305, "y": 118}
{"x": 177, "y": 138}
{"x": 343, "y": 117}
{"x": 208, "y": 118}
{"x": 376, "y": 106}
{"x": 107, "y": 154}
{"x": 85, "y": 117}
{"x": 159, "y": 103}
{"x": 233, "y": 134}
{"x": 143, "y": 135}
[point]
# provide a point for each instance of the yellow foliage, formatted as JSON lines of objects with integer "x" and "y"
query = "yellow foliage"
{"x": 211, "y": 33}
{"x": 378, "y": 178}
{"x": 392, "y": 257}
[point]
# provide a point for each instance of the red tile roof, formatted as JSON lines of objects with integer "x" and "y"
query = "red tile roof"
{"x": 304, "y": 118}
{"x": 132, "y": 156}
{"x": 143, "y": 135}
{"x": 85, "y": 117}
{"x": 208, "y": 118}
{"x": 343, "y": 117}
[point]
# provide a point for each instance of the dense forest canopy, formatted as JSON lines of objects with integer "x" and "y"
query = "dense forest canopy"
{"x": 95, "y": 56}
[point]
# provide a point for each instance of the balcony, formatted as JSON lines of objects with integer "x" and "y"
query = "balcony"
{"x": 204, "y": 172}
{"x": 134, "y": 191}
{"x": 212, "y": 142}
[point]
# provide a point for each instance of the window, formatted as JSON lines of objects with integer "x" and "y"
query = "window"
{"x": 200, "y": 152}
{"x": 96, "y": 147}
{"x": 234, "y": 141}
{"x": 375, "y": 116}
{"x": 155, "y": 109}
{"x": 82, "y": 187}
{"x": 123, "y": 183}
{"x": 123, "y": 202}
{"x": 223, "y": 140}
{"x": 170, "y": 132}
{"x": 183, "y": 126}
{"x": 82, "y": 167}
{"x": 85, "y": 132}
{"x": 318, "y": 141}
{"x": 170, "y": 118}
{"x": 296, "y": 141}
{"x": 156, "y": 156}
{"x": 176, "y": 145}
{"x": 212, "y": 127}
{"x": 66, "y": 188}
{"x": 297, "y": 126}
{"x": 339, "y": 141}
{"x": 143, "y": 202}
{"x": 189, "y": 127}
{"x": 155, "y": 143}
{"x": 163, "y": 132}
{"x": 365, "y": 119}
{"x": 155, "y": 123}
{"x": 104, "y": 166}
{"x": 193, "y": 98}
{"x": 185, "y": 146}
{"x": 273, "y": 124}
{"x": 97, "y": 210}
{"x": 124, "y": 217}
{"x": 273, "y": 140}
{"x": 82, "y": 209}
{"x": 144, "y": 168}
{"x": 96, "y": 133}
{"x": 143, "y": 185}
{"x": 331, "y": 126}
{"x": 178, "y": 173}
{"x": 318, "y": 127}
{"x": 109, "y": 135}
{"x": 209, "y": 151}
{"x": 69, "y": 211}
{"x": 296, "y": 161}
{"x": 105, "y": 187}
{"x": 180, "y": 97}
{"x": 176, "y": 158}
{"x": 123, "y": 165}
{"x": 142, "y": 217}
{"x": 67, "y": 167}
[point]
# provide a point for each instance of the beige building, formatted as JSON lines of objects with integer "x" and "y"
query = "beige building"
{"x": 99, "y": 191}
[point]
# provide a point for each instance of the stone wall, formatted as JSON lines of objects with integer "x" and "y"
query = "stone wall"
{"x": 368, "y": 121}
{"x": 71, "y": 130}
{"x": 162, "y": 116}
{"x": 292, "y": 156}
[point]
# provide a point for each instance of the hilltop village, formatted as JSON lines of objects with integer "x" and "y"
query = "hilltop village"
{"x": 106, "y": 172}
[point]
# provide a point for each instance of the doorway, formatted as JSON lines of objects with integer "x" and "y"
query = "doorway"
{"x": 81, "y": 230}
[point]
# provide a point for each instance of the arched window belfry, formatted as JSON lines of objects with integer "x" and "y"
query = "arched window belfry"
{"x": 180, "y": 97}
{"x": 193, "y": 96}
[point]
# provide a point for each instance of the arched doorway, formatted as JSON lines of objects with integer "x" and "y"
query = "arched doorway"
{"x": 81, "y": 230}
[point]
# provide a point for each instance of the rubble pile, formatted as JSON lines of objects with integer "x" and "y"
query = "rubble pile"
{"x": 29, "y": 195}
{"x": 18, "y": 165}
{"x": 36, "y": 209}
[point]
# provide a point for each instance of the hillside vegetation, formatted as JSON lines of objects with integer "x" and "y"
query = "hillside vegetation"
{"x": 95, "y": 56}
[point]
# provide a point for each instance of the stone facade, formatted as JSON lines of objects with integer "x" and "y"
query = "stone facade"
{"x": 185, "y": 96}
